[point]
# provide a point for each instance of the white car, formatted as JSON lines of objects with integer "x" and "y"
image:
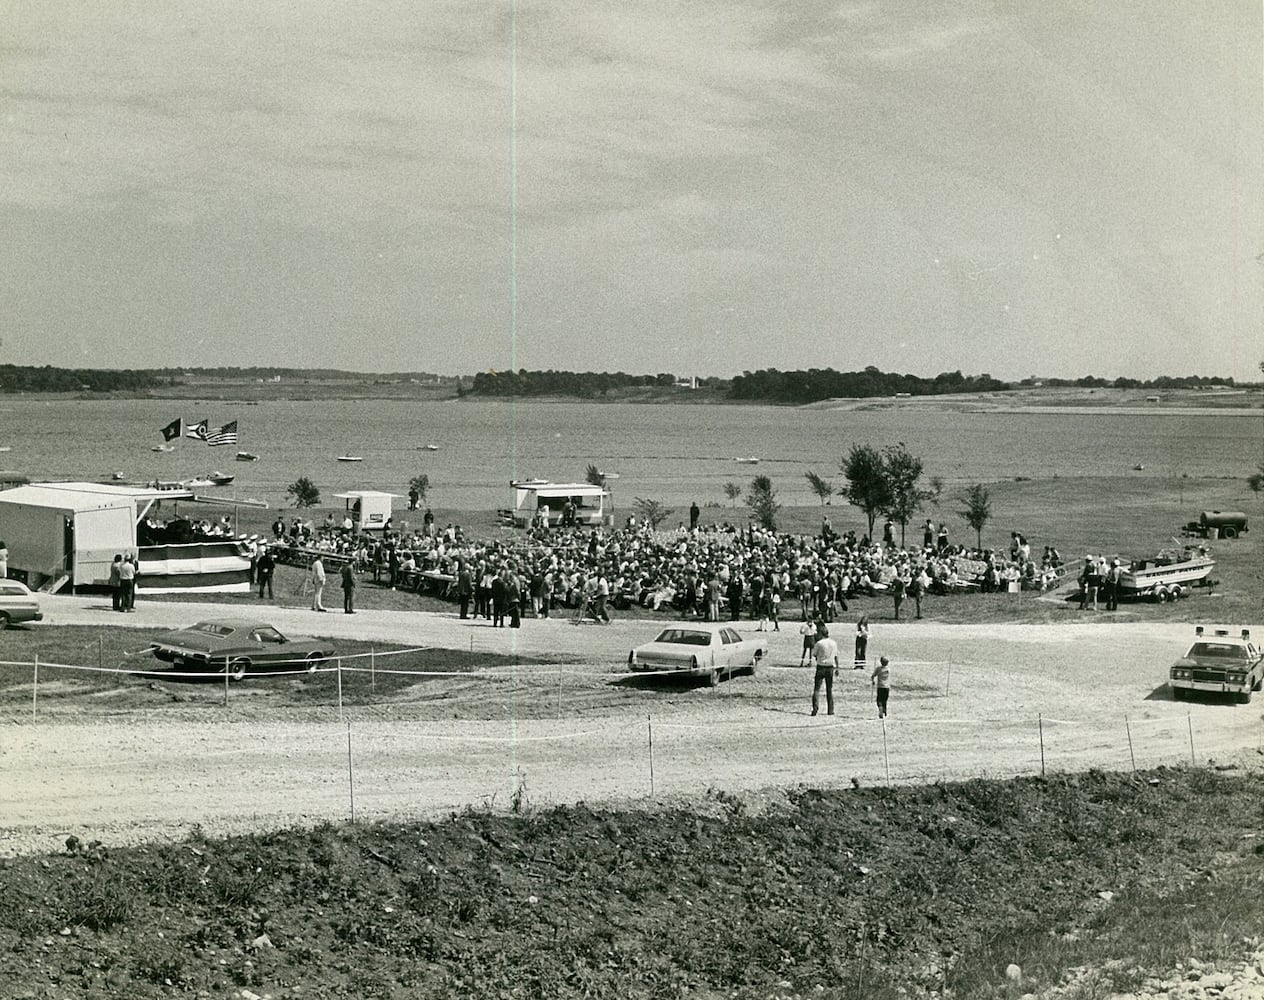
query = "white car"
{"x": 18, "y": 604}
{"x": 699, "y": 651}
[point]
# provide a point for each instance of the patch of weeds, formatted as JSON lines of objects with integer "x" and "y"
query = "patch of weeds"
{"x": 159, "y": 963}
{"x": 519, "y": 804}
{"x": 732, "y": 804}
{"x": 102, "y": 902}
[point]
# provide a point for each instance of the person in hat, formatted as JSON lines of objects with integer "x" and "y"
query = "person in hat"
{"x": 825, "y": 656}
{"x": 264, "y": 571}
{"x": 1113, "y": 577}
{"x": 348, "y": 578}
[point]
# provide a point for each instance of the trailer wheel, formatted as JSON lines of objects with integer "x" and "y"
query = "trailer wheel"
{"x": 1160, "y": 595}
{"x": 1228, "y": 531}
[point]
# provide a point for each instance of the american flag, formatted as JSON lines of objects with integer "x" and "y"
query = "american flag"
{"x": 223, "y": 435}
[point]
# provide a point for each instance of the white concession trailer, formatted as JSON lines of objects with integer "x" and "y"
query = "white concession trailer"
{"x": 62, "y": 534}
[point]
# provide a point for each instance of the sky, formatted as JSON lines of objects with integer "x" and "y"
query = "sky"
{"x": 704, "y": 187}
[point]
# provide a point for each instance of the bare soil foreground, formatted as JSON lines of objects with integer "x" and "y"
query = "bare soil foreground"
{"x": 617, "y": 836}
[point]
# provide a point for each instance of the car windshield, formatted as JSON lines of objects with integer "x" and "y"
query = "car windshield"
{"x": 1217, "y": 651}
{"x": 213, "y": 628}
{"x": 684, "y": 636}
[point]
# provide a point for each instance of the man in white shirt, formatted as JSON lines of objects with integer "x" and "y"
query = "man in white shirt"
{"x": 317, "y": 574}
{"x": 825, "y": 656}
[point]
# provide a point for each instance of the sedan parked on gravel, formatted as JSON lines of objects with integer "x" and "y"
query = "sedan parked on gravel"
{"x": 707, "y": 651}
{"x": 238, "y": 645}
{"x": 18, "y": 604}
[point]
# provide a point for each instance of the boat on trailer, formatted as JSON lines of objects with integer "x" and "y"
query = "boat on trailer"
{"x": 1167, "y": 577}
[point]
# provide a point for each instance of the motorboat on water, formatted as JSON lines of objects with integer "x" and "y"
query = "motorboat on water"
{"x": 350, "y": 458}
{"x": 748, "y": 460}
{"x": 247, "y": 456}
{"x": 198, "y": 483}
{"x": 163, "y": 447}
{"x": 429, "y": 447}
{"x": 219, "y": 479}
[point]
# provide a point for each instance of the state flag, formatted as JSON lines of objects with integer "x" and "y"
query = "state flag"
{"x": 172, "y": 430}
{"x": 197, "y": 431}
{"x": 223, "y": 435}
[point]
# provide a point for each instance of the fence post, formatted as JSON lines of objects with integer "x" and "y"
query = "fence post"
{"x": 1040, "y": 722}
{"x": 948, "y": 683}
{"x": 350, "y": 774}
{"x": 1131, "y": 756}
{"x": 1190, "y": 719}
{"x": 340, "y": 689}
{"x": 100, "y": 653}
{"x": 650, "y": 725}
{"x": 372, "y": 670}
{"x": 886, "y": 760}
{"x": 225, "y": 683}
{"x": 35, "y": 687}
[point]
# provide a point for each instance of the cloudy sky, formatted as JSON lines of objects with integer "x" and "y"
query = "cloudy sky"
{"x": 1059, "y": 188}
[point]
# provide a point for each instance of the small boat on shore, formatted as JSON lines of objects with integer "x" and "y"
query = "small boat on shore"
{"x": 429, "y": 447}
{"x": 6, "y": 447}
{"x": 350, "y": 458}
{"x": 163, "y": 447}
{"x": 247, "y": 456}
{"x": 748, "y": 460}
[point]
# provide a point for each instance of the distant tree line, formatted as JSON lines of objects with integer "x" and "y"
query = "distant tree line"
{"x": 585, "y": 385}
{"x": 1162, "y": 382}
{"x": 22, "y": 378}
{"x": 772, "y": 385}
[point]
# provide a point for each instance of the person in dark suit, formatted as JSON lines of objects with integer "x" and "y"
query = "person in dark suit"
{"x": 464, "y": 588}
{"x": 500, "y": 591}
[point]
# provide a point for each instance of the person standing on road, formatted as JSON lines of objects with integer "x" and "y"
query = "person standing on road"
{"x": 862, "y": 642}
{"x": 808, "y": 631}
{"x": 116, "y": 582}
{"x": 825, "y": 654}
{"x": 347, "y": 573}
{"x": 513, "y": 598}
{"x": 881, "y": 681}
{"x": 127, "y": 583}
{"x": 317, "y": 575}
{"x": 499, "y": 594}
{"x": 265, "y": 570}
{"x": 464, "y": 588}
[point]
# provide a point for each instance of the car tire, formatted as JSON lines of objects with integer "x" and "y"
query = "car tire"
{"x": 1178, "y": 694}
{"x": 237, "y": 668}
{"x": 313, "y": 661}
{"x": 713, "y": 678}
{"x": 1244, "y": 697}
{"x": 4, "y": 621}
{"x": 1160, "y": 595}
{"x": 754, "y": 663}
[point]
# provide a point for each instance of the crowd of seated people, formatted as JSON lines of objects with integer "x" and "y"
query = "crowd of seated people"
{"x": 743, "y": 572}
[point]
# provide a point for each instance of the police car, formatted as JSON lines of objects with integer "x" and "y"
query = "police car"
{"x": 1219, "y": 661}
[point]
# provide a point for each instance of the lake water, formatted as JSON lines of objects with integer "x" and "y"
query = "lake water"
{"x": 674, "y": 453}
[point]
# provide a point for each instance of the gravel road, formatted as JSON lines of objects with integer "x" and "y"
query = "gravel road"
{"x": 968, "y": 700}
